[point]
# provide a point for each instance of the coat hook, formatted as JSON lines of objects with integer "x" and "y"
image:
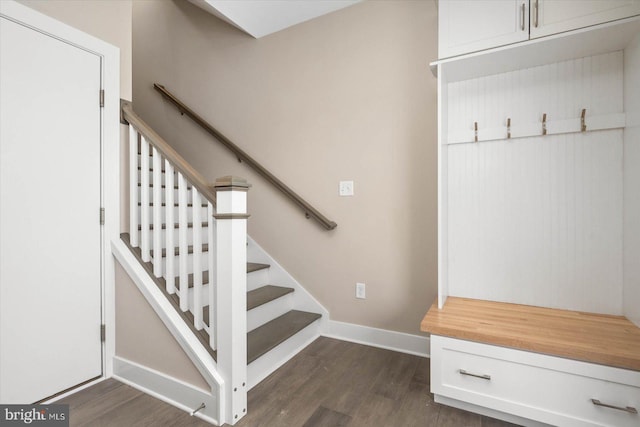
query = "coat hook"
{"x": 583, "y": 125}
{"x": 508, "y": 127}
{"x": 544, "y": 123}
{"x": 475, "y": 129}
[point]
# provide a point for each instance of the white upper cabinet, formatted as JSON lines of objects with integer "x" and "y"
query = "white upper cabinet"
{"x": 472, "y": 25}
{"x": 555, "y": 16}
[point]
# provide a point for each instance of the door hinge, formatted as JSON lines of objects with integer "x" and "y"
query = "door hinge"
{"x": 103, "y": 333}
{"x": 101, "y": 97}
{"x": 101, "y": 216}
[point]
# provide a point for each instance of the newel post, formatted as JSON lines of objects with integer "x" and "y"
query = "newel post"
{"x": 231, "y": 301}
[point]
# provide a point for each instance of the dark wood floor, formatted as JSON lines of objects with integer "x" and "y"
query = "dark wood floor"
{"x": 331, "y": 383}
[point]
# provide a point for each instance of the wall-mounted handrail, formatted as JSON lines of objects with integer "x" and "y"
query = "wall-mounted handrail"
{"x": 306, "y": 207}
{"x": 178, "y": 162}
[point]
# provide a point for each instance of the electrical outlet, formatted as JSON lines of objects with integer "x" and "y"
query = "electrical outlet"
{"x": 361, "y": 291}
{"x": 346, "y": 188}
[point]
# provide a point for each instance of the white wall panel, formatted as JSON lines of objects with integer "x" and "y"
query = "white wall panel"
{"x": 561, "y": 90}
{"x": 538, "y": 220}
{"x": 631, "y": 183}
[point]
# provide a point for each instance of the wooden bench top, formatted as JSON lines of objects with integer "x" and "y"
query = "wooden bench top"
{"x": 596, "y": 338}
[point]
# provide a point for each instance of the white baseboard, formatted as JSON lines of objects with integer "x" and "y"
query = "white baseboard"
{"x": 168, "y": 389}
{"x": 390, "y": 340}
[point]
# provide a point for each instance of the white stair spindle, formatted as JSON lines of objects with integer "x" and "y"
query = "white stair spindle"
{"x": 212, "y": 275}
{"x": 169, "y": 219}
{"x": 197, "y": 259}
{"x": 133, "y": 188}
{"x": 182, "y": 238}
{"x": 144, "y": 200}
{"x": 157, "y": 213}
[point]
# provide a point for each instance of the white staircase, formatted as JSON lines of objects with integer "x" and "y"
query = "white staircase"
{"x": 189, "y": 254}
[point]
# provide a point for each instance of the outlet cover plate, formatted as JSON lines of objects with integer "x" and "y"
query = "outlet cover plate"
{"x": 361, "y": 291}
{"x": 346, "y": 188}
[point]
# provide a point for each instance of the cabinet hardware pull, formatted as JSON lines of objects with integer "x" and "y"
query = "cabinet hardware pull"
{"x": 583, "y": 125}
{"x": 628, "y": 409}
{"x": 475, "y": 131}
{"x": 544, "y": 124}
{"x": 484, "y": 377}
{"x": 522, "y": 16}
{"x": 508, "y": 127}
{"x": 535, "y": 15}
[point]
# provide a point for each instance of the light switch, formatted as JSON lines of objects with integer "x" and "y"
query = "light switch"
{"x": 346, "y": 188}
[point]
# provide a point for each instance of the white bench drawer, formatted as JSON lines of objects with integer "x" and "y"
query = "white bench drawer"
{"x": 543, "y": 388}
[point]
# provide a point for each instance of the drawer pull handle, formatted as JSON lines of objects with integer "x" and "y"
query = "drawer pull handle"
{"x": 484, "y": 377}
{"x": 628, "y": 409}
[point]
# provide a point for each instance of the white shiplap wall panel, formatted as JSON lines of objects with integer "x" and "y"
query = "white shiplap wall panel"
{"x": 561, "y": 90}
{"x": 632, "y": 180}
{"x": 538, "y": 220}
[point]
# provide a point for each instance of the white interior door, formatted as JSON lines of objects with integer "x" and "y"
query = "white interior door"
{"x": 50, "y": 235}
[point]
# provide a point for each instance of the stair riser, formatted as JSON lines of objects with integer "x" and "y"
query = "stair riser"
{"x": 269, "y": 311}
{"x": 257, "y": 279}
{"x": 256, "y": 317}
{"x": 163, "y": 213}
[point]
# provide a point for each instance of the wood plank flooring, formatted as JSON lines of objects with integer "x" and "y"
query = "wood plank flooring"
{"x": 331, "y": 383}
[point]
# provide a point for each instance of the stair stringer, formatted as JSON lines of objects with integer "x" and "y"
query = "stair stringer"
{"x": 199, "y": 356}
{"x": 302, "y": 300}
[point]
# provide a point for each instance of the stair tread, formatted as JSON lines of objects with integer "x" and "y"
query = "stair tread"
{"x": 176, "y": 250}
{"x": 175, "y": 225}
{"x": 271, "y": 334}
{"x": 255, "y": 266}
{"x": 205, "y": 274}
{"x": 256, "y": 298}
{"x": 265, "y": 294}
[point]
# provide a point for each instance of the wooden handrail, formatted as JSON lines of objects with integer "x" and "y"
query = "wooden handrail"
{"x": 306, "y": 207}
{"x": 179, "y": 163}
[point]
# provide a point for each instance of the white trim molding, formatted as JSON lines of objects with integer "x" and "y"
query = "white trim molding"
{"x": 390, "y": 340}
{"x": 175, "y": 392}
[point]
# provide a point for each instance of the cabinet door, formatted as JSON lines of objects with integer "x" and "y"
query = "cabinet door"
{"x": 471, "y": 25}
{"x": 555, "y": 16}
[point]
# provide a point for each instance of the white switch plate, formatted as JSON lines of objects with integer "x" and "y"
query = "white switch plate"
{"x": 361, "y": 291}
{"x": 346, "y": 188}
